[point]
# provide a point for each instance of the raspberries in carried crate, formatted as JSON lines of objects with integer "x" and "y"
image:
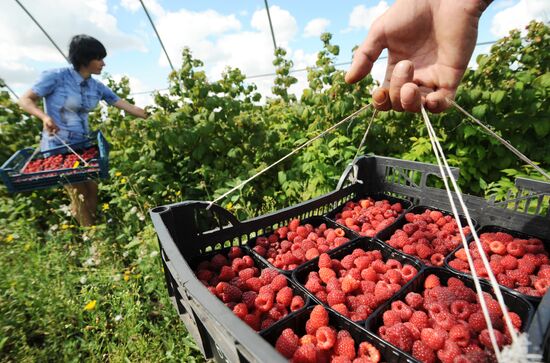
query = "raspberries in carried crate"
{"x": 368, "y": 216}
{"x": 62, "y": 161}
{"x": 323, "y": 338}
{"x": 259, "y": 297}
{"x": 359, "y": 281}
{"x": 438, "y": 323}
{"x": 520, "y": 263}
{"x": 429, "y": 235}
{"x": 300, "y": 241}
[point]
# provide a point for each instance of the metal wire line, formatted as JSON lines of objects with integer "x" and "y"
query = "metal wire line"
{"x": 158, "y": 35}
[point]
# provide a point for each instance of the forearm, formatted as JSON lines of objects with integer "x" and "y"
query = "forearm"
{"x": 131, "y": 109}
{"x": 30, "y": 106}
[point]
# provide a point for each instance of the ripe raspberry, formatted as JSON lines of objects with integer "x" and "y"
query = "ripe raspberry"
{"x": 231, "y": 293}
{"x": 414, "y": 300}
{"x": 238, "y": 264}
{"x": 476, "y": 321}
{"x": 461, "y": 255}
{"x": 322, "y": 296}
{"x": 423, "y": 251}
{"x": 345, "y": 346}
{"x": 402, "y": 309}
{"x": 326, "y": 273}
{"x": 326, "y": 337}
{"x": 542, "y": 285}
{"x": 341, "y": 308}
{"x": 226, "y": 273}
{"x": 336, "y": 297}
{"x": 419, "y": 319}
{"x": 382, "y": 291}
{"x": 313, "y": 285}
{"x": 305, "y": 353}
{"x": 516, "y": 320}
{"x": 240, "y": 310}
{"x": 431, "y": 282}
{"x": 515, "y": 249}
{"x": 297, "y": 303}
{"x": 485, "y": 339}
{"x": 379, "y": 266}
{"x": 400, "y": 336}
{"x": 390, "y": 318}
{"x": 449, "y": 352}
{"x": 369, "y": 274}
{"x": 520, "y": 278}
{"x": 264, "y": 302}
{"x": 218, "y": 261}
{"x": 528, "y": 263}
{"x": 284, "y": 296}
{"x": 324, "y": 261}
{"x": 497, "y": 247}
{"x": 422, "y": 352}
{"x": 253, "y": 320}
{"x": 437, "y": 259}
{"x": 306, "y": 339}
{"x": 278, "y": 282}
{"x": 505, "y": 280}
{"x": 318, "y": 317}
{"x": 369, "y": 351}
{"x": 349, "y": 284}
{"x": 460, "y": 334}
{"x": 393, "y": 276}
{"x": 460, "y": 309}
{"x": 433, "y": 338}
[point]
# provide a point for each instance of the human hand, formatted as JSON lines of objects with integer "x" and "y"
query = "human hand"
{"x": 50, "y": 125}
{"x": 429, "y": 44}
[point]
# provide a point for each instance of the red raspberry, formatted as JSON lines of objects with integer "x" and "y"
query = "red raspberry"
{"x": 414, "y": 300}
{"x": 505, "y": 280}
{"x": 322, "y": 296}
{"x": 422, "y": 352}
{"x": 370, "y": 275}
{"x": 449, "y": 352}
{"x": 382, "y": 291}
{"x": 460, "y": 334}
{"x": 349, "y": 284}
{"x": 235, "y": 252}
{"x": 423, "y": 251}
{"x": 509, "y": 262}
{"x": 336, "y": 297}
{"x": 324, "y": 261}
{"x": 305, "y": 353}
{"x": 393, "y": 276}
{"x": 445, "y": 320}
{"x": 218, "y": 261}
{"x": 516, "y": 320}
{"x": 542, "y": 285}
{"x": 409, "y": 249}
{"x": 341, "y": 308}
{"x": 264, "y": 302}
{"x": 477, "y": 322}
{"x": 390, "y": 318}
{"x": 345, "y": 346}
{"x": 437, "y": 259}
{"x": 253, "y": 320}
{"x": 503, "y": 237}
{"x": 515, "y": 249}
{"x": 297, "y": 303}
{"x": 311, "y": 253}
{"x": 431, "y": 282}
{"x": 226, "y": 273}
{"x": 520, "y": 278}
{"x": 369, "y": 351}
{"x": 313, "y": 285}
{"x": 278, "y": 282}
{"x": 204, "y": 275}
{"x": 284, "y": 296}
{"x": 528, "y": 263}
{"x": 408, "y": 272}
{"x": 333, "y": 284}
{"x": 433, "y": 338}
{"x": 497, "y": 247}
{"x": 460, "y": 309}
{"x": 326, "y": 337}
{"x": 231, "y": 293}
{"x": 402, "y": 309}
{"x": 419, "y": 319}
{"x": 485, "y": 339}
{"x": 318, "y": 317}
{"x": 400, "y": 336}
{"x": 306, "y": 339}
{"x": 326, "y": 273}
{"x": 544, "y": 272}
{"x": 240, "y": 310}
{"x": 459, "y": 265}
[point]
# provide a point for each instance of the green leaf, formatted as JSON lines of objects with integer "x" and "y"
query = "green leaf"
{"x": 542, "y": 127}
{"x": 469, "y": 131}
{"x": 281, "y": 176}
{"x": 479, "y": 111}
{"x": 497, "y": 96}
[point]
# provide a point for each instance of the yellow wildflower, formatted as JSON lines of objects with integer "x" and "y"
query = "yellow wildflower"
{"x": 105, "y": 206}
{"x": 9, "y": 238}
{"x": 90, "y": 306}
{"x": 118, "y": 173}
{"x": 123, "y": 180}
{"x": 76, "y": 164}
{"x": 64, "y": 226}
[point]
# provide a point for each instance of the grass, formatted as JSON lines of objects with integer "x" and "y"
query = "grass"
{"x": 86, "y": 294}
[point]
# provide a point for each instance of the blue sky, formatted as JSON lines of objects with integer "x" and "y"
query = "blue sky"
{"x": 220, "y": 32}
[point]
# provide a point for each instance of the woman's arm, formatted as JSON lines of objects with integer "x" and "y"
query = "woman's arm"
{"x": 28, "y": 102}
{"x": 131, "y": 109}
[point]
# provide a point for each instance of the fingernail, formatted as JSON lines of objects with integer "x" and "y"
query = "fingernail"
{"x": 432, "y": 104}
{"x": 379, "y": 96}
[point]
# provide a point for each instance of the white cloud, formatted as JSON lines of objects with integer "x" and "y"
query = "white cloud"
{"x": 152, "y": 6}
{"x": 316, "y": 27}
{"x": 519, "y": 15}
{"x": 362, "y": 17}
{"x": 137, "y": 86}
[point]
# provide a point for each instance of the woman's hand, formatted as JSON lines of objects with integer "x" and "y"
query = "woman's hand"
{"x": 429, "y": 44}
{"x": 49, "y": 125}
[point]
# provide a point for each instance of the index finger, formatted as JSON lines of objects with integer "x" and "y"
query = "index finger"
{"x": 365, "y": 56}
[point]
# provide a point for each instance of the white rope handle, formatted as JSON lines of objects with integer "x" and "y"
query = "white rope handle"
{"x": 36, "y": 150}
{"x": 71, "y": 149}
{"x": 502, "y": 141}
{"x": 288, "y": 155}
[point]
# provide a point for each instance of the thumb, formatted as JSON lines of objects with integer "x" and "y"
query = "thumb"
{"x": 367, "y": 53}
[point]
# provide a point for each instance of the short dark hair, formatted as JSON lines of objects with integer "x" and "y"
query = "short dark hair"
{"x": 84, "y": 49}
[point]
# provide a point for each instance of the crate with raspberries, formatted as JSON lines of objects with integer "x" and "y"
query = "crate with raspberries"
{"x": 355, "y": 253}
{"x": 26, "y": 170}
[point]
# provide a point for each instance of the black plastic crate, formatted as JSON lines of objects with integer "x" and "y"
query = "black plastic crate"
{"x": 18, "y": 181}
{"x": 386, "y": 234}
{"x": 514, "y": 302}
{"x": 406, "y": 205}
{"x": 315, "y": 221}
{"x": 297, "y": 323}
{"x": 535, "y": 300}
{"x": 368, "y": 244}
{"x": 191, "y": 228}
